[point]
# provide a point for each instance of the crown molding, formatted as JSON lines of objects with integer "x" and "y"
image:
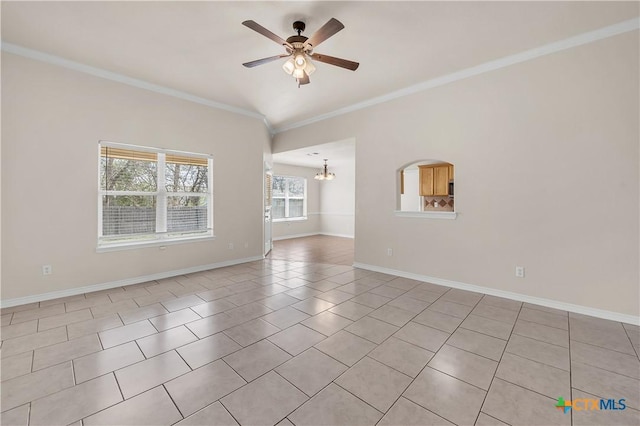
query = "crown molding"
{"x": 270, "y": 129}
{"x": 547, "y": 49}
{"x": 130, "y": 81}
{"x": 527, "y": 55}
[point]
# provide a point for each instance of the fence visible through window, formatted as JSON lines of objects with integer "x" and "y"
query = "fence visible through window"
{"x": 125, "y": 220}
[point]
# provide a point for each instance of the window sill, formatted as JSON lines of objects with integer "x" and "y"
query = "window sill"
{"x": 290, "y": 219}
{"x": 427, "y": 215}
{"x": 154, "y": 243}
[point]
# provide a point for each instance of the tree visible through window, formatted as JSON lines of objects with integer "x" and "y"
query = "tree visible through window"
{"x": 289, "y": 198}
{"x": 150, "y": 194}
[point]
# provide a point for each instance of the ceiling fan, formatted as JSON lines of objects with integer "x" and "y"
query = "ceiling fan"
{"x": 300, "y": 50}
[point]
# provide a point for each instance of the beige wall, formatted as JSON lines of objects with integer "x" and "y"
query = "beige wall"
{"x": 293, "y": 228}
{"x": 52, "y": 121}
{"x": 337, "y": 201}
{"x": 547, "y": 176}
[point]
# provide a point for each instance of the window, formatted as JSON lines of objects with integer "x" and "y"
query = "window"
{"x": 151, "y": 195}
{"x": 289, "y": 198}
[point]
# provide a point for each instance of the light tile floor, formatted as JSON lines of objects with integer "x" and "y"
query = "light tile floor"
{"x": 304, "y": 338}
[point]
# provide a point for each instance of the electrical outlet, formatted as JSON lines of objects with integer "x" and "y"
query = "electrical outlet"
{"x": 47, "y": 270}
{"x": 230, "y": 246}
{"x": 520, "y": 271}
{"x": 389, "y": 252}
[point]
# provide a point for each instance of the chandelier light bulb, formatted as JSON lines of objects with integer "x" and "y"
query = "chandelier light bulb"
{"x": 298, "y": 73}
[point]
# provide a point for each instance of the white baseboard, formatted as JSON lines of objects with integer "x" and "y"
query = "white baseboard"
{"x": 578, "y": 309}
{"x": 120, "y": 283}
{"x": 289, "y": 237}
{"x": 337, "y": 235}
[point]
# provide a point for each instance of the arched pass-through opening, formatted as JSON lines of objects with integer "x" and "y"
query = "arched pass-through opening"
{"x": 426, "y": 186}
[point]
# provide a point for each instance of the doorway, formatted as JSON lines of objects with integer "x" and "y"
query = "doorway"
{"x": 330, "y": 204}
{"x": 268, "y": 181}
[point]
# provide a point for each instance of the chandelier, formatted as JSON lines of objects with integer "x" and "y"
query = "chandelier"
{"x": 324, "y": 174}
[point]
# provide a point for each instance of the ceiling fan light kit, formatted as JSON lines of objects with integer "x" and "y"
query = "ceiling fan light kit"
{"x": 300, "y": 50}
{"x": 289, "y": 66}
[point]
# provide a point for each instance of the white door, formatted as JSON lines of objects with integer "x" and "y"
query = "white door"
{"x": 268, "y": 177}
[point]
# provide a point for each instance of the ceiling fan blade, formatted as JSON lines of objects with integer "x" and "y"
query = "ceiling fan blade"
{"x": 263, "y": 61}
{"x": 304, "y": 80}
{"x": 343, "y": 63}
{"x": 265, "y": 32}
{"x": 326, "y": 31}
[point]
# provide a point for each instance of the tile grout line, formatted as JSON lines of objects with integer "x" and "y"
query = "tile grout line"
{"x": 112, "y": 405}
{"x": 140, "y": 349}
{"x": 226, "y": 409}
{"x": 163, "y": 385}
{"x": 297, "y": 388}
{"x": 434, "y": 355}
{"x": 570, "y": 369}
{"x": 73, "y": 372}
{"x": 534, "y": 360}
{"x": 357, "y": 397}
{"x": 498, "y": 366}
{"x": 636, "y": 350}
{"x": 599, "y": 367}
{"x": 337, "y": 360}
{"x": 607, "y": 371}
{"x": 401, "y": 395}
{"x": 533, "y": 338}
{"x": 484, "y": 334}
{"x": 530, "y": 390}
{"x": 489, "y": 415}
{"x": 606, "y": 348}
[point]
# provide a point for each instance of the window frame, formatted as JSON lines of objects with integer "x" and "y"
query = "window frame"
{"x": 287, "y": 197}
{"x": 161, "y": 236}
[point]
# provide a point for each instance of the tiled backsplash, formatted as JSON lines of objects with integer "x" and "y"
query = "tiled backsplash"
{"x": 440, "y": 204}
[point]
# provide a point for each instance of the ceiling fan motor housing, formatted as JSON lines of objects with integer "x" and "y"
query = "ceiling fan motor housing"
{"x": 297, "y": 41}
{"x": 299, "y": 26}
{"x": 298, "y": 44}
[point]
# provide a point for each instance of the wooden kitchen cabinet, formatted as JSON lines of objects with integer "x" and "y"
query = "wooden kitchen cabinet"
{"x": 426, "y": 180}
{"x": 434, "y": 179}
{"x": 441, "y": 180}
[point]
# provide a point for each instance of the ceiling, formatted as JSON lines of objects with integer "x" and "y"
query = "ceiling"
{"x": 198, "y": 47}
{"x": 339, "y": 153}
